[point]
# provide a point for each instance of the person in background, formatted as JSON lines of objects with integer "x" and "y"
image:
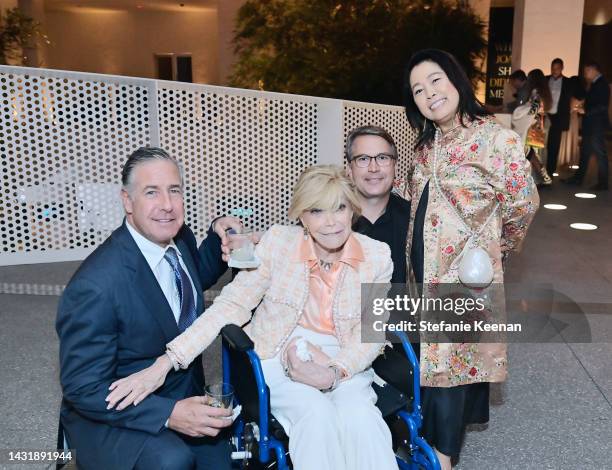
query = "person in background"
{"x": 595, "y": 123}
{"x": 531, "y": 113}
{"x": 515, "y": 93}
{"x": 569, "y": 151}
{"x": 519, "y": 93}
{"x": 558, "y": 113}
{"x": 469, "y": 183}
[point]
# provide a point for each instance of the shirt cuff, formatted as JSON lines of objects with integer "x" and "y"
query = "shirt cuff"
{"x": 211, "y": 229}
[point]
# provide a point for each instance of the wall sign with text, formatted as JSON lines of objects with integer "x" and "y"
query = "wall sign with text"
{"x": 499, "y": 55}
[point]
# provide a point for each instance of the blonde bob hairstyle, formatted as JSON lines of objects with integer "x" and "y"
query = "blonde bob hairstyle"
{"x": 323, "y": 187}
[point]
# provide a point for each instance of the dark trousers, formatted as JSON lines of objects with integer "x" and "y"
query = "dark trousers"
{"x": 170, "y": 451}
{"x": 594, "y": 143}
{"x": 394, "y": 368}
{"x": 553, "y": 144}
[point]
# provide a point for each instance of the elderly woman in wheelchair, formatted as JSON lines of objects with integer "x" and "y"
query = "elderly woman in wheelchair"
{"x": 306, "y": 328}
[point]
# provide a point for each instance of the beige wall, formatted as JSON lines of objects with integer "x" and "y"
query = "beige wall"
{"x": 4, "y": 4}
{"x": 545, "y": 29}
{"x": 124, "y": 43}
{"x": 226, "y": 15}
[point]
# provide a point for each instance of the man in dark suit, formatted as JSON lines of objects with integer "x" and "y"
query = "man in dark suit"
{"x": 559, "y": 112}
{"x": 136, "y": 292}
{"x": 595, "y": 123}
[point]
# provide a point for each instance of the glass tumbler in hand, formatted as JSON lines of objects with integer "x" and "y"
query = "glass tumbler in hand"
{"x": 220, "y": 395}
{"x": 242, "y": 253}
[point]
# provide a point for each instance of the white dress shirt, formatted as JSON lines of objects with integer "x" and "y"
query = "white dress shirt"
{"x": 154, "y": 254}
{"x": 555, "y": 90}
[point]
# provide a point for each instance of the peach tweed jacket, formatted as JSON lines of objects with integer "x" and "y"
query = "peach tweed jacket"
{"x": 278, "y": 288}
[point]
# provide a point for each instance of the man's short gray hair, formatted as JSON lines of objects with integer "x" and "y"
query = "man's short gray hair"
{"x": 142, "y": 155}
{"x": 368, "y": 130}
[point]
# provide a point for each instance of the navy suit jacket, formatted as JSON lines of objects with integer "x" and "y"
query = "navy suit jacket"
{"x": 113, "y": 320}
{"x": 596, "y": 104}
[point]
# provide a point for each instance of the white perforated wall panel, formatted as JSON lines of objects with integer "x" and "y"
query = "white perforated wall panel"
{"x": 62, "y": 142}
{"x": 64, "y": 137}
{"x": 241, "y": 154}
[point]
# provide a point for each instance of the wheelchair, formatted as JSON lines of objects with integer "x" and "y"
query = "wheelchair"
{"x": 259, "y": 440}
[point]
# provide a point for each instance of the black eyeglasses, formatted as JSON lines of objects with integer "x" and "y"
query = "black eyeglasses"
{"x": 382, "y": 159}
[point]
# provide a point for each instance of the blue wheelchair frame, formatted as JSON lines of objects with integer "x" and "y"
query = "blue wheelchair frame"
{"x": 422, "y": 456}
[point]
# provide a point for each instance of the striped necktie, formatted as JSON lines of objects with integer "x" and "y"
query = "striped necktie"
{"x": 183, "y": 284}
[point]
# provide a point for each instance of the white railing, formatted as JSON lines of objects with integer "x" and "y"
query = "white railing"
{"x": 65, "y": 135}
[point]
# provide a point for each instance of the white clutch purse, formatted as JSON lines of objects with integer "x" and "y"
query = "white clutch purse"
{"x": 475, "y": 268}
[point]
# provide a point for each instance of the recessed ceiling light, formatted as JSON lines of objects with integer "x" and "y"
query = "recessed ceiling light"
{"x": 555, "y": 207}
{"x": 574, "y": 167}
{"x": 582, "y": 226}
{"x": 555, "y": 174}
{"x": 585, "y": 195}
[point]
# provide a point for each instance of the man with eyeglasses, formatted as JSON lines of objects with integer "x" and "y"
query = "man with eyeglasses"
{"x": 371, "y": 156}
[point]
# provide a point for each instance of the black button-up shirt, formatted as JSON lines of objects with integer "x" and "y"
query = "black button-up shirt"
{"x": 392, "y": 228}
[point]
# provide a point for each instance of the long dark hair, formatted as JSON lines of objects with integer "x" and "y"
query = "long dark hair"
{"x": 537, "y": 81}
{"x": 469, "y": 106}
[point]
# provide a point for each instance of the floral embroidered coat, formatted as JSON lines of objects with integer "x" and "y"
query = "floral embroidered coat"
{"x": 478, "y": 166}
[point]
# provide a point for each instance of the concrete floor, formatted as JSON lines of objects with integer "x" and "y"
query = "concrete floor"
{"x": 554, "y": 412}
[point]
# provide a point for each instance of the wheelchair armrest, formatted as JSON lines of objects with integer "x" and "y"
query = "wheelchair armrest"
{"x": 236, "y": 338}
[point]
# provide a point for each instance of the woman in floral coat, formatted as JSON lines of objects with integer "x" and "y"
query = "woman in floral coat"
{"x": 482, "y": 191}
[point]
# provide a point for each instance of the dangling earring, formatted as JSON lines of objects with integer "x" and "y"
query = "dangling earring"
{"x": 424, "y": 125}
{"x": 306, "y": 233}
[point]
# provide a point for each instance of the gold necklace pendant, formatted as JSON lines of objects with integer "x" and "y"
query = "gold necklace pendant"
{"x": 326, "y": 265}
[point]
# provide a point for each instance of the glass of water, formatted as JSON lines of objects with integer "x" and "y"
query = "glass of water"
{"x": 242, "y": 245}
{"x": 220, "y": 395}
